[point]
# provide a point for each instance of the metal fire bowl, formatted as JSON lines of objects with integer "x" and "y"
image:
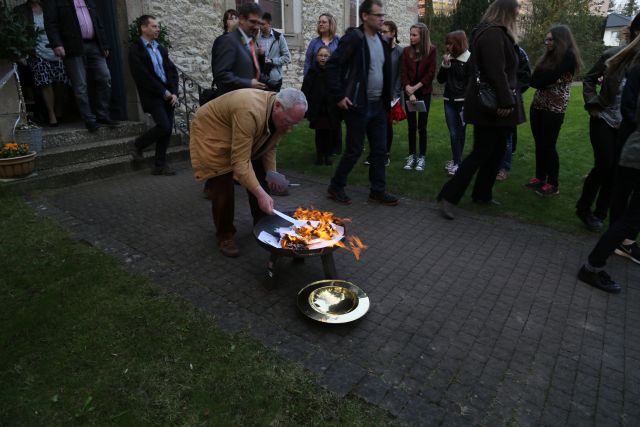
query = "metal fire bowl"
{"x": 333, "y": 301}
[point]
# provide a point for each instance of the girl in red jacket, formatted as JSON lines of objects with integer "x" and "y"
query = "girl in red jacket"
{"x": 418, "y": 67}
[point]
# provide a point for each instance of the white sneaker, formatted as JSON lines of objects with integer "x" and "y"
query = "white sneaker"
{"x": 410, "y": 162}
{"x": 420, "y": 163}
{"x": 448, "y": 165}
{"x": 452, "y": 170}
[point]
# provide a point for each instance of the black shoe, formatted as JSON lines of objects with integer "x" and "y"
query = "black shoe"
{"x": 135, "y": 152}
{"x": 108, "y": 122}
{"x": 92, "y": 126}
{"x": 631, "y": 251}
{"x": 338, "y": 195}
{"x": 600, "y": 280}
{"x": 163, "y": 170}
{"x": 592, "y": 222}
{"x": 446, "y": 209}
{"x": 383, "y": 198}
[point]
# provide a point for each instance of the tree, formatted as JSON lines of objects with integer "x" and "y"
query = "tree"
{"x": 587, "y": 29}
{"x": 468, "y": 14}
{"x": 630, "y": 8}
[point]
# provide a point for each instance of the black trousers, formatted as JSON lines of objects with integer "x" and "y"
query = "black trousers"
{"x": 419, "y": 125}
{"x": 160, "y": 134}
{"x": 326, "y": 141}
{"x": 221, "y": 192}
{"x": 597, "y": 185}
{"x": 489, "y": 143}
{"x": 545, "y": 127}
{"x": 628, "y": 224}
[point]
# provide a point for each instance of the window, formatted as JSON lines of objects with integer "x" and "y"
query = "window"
{"x": 274, "y": 7}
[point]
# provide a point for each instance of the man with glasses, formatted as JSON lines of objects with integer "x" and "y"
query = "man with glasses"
{"x": 359, "y": 79}
{"x": 235, "y": 136}
{"x": 235, "y": 58}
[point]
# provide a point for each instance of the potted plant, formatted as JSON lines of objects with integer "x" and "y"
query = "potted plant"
{"x": 16, "y": 160}
{"x": 17, "y": 42}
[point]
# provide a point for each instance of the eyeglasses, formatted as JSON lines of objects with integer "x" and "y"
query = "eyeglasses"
{"x": 378, "y": 15}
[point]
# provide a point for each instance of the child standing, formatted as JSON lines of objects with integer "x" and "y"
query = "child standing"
{"x": 322, "y": 113}
{"x": 416, "y": 73}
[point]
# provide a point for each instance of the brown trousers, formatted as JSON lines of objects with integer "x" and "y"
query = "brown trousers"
{"x": 221, "y": 192}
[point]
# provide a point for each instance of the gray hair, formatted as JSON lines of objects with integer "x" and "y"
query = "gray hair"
{"x": 290, "y": 97}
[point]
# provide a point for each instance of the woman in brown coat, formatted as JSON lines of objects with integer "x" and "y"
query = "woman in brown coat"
{"x": 494, "y": 55}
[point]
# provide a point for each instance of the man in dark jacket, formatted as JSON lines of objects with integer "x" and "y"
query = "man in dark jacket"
{"x": 234, "y": 56}
{"x": 76, "y": 35}
{"x": 358, "y": 79}
{"x": 156, "y": 78}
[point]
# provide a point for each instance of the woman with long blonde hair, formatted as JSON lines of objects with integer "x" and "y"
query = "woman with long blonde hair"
{"x": 326, "y": 29}
{"x": 416, "y": 74}
{"x": 494, "y": 60}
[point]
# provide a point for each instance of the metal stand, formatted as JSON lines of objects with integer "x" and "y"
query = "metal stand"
{"x": 271, "y": 279}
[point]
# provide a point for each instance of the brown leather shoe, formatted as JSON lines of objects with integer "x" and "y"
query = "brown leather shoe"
{"x": 228, "y": 248}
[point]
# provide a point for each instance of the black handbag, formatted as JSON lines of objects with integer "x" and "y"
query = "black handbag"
{"x": 486, "y": 96}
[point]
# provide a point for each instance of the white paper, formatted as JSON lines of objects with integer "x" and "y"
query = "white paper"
{"x": 317, "y": 243}
{"x": 419, "y": 106}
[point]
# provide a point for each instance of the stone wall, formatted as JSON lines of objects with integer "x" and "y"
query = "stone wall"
{"x": 194, "y": 24}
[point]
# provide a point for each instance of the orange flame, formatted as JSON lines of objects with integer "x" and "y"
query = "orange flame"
{"x": 323, "y": 230}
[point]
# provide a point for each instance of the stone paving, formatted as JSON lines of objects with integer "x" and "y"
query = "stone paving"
{"x": 477, "y": 321}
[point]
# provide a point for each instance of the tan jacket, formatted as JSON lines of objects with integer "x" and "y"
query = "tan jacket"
{"x": 230, "y": 131}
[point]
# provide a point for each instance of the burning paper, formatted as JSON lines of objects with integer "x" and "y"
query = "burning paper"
{"x": 318, "y": 230}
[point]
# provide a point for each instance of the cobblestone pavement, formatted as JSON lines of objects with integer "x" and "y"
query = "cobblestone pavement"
{"x": 477, "y": 321}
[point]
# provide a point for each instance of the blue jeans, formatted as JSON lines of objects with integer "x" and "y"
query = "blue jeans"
{"x": 508, "y": 154}
{"x": 94, "y": 64}
{"x": 457, "y": 128}
{"x": 373, "y": 124}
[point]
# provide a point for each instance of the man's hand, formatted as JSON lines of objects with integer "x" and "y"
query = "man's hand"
{"x": 106, "y": 53}
{"x": 255, "y": 84}
{"x": 59, "y": 51}
{"x": 345, "y": 103}
{"x": 504, "y": 112}
{"x": 174, "y": 100}
{"x": 265, "y": 202}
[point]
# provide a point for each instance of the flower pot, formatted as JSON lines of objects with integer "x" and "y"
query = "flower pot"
{"x": 16, "y": 167}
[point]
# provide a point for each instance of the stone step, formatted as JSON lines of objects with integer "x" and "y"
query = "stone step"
{"x": 88, "y": 171}
{"x": 68, "y": 155}
{"x": 69, "y": 134}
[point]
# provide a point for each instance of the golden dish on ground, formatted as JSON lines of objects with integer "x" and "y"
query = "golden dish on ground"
{"x": 333, "y": 301}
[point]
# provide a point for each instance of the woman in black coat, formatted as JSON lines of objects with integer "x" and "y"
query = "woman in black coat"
{"x": 494, "y": 54}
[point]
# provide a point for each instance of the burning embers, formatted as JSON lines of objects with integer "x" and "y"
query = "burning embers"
{"x": 321, "y": 229}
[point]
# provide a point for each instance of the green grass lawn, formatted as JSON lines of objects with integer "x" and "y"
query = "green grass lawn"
{"x": 297, "y": 153}
{"x": 82, "y": 342}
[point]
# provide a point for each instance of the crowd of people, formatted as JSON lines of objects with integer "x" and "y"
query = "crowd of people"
{"x": 367, "y": 81}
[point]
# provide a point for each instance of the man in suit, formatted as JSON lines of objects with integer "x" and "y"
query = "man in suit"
{"x": 234, "y": 56}
{"x": 235, "y": 137}
{"x": 156, "y": 78}
{"x": 76, "y": 35}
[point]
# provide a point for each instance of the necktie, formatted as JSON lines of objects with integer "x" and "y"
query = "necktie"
{"x": 252, "y": 48}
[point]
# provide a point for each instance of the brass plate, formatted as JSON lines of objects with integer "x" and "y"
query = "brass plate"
{"x": 333, "y": 301}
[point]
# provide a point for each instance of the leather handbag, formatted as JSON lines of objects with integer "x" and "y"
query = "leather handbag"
{"x": 486, "y": 96}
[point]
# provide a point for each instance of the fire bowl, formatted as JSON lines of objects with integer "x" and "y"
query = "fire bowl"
{"x": 333, "y": 301}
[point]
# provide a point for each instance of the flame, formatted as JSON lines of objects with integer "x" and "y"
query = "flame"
{"x": 354, "y": 245}
{"x": 323, "y": 230}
